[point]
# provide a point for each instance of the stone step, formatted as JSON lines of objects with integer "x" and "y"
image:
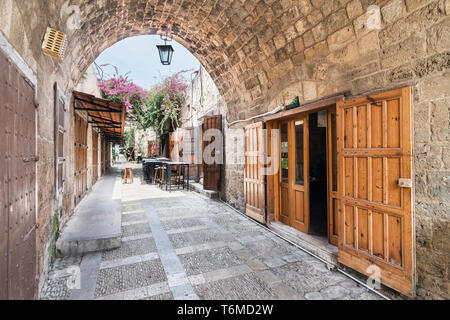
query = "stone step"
{"x": 319, "y": 246}
{"x": 197, "y": 187}
{"x": 96, "y": 223}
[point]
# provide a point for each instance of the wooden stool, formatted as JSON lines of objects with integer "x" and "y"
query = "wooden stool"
{"x": 162, "y": 179}
{"x": 156, "y": 176}
{"x": 128, "y": 172}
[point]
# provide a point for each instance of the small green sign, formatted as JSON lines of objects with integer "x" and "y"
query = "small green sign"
{"x": 284, "y": 163}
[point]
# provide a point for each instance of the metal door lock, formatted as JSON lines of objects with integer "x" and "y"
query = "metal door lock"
{"x": 404, "y": 183}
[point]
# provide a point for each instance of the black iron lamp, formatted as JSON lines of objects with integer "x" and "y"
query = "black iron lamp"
{"x": 165, "y": 51}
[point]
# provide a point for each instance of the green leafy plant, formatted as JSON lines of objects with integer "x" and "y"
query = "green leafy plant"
{"x": 164, "y": 103}
{"x": 53, "y": 252}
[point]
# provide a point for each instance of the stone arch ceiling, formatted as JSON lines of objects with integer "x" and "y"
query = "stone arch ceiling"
{"x": 252, "y": 49}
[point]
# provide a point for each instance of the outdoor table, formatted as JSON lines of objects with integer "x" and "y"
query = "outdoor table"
{"x": 179, "y": 165}
{"x": 148, "y": 166}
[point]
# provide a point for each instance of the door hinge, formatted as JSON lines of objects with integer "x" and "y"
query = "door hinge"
{"x": 31, "y": 159}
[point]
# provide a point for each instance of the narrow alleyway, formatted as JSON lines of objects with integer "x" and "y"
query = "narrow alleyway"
{"x": 181, "y": 245}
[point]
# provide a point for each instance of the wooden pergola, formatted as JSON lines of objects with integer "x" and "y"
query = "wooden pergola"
{"x": 107, "y": 116}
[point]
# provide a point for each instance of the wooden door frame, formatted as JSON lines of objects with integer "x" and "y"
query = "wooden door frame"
{"x": 279, "y": 175}
{"x": 331, "y": 195}
{"x": 275, "y": 123}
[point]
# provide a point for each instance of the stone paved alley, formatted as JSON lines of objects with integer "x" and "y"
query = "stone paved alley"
{"x": 182, "y": 245}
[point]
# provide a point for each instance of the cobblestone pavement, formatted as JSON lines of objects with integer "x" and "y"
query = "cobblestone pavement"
{"x": 181, "y": 245}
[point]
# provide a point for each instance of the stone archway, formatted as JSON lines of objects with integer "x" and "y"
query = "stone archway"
{"x": 252, "y": 50}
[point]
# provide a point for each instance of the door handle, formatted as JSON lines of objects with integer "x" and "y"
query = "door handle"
{"x": 31, "y": 159}
{"x": 404, "y": 183}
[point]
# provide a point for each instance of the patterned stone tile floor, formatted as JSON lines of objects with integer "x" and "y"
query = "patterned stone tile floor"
{"x": 181, "y": 245}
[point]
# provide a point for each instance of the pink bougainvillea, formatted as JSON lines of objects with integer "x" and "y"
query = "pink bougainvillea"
{"x": 154, "y": 108}
{"x": 119, "y": 88}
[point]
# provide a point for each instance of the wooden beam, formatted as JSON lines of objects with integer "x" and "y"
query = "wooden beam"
{"x": 311, "y": 106}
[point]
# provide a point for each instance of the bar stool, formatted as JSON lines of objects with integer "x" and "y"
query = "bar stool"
{"x": 156, "y": 176}
{"x": 162, "y": 180}
{"x": 128, "y": 173}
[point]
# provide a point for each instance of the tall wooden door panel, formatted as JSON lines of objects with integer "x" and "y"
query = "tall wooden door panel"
{"x": 375, "y": 180}
{"x": 299, "y": 181}
{"x": 333, "y": 198}
{"x": 212, "y": 125}
{"x": 254, "y": 172}
{"x": 285, "y": 154}
{"x": 294, "y": 195}
{"x": 18, "y": 184}
{"x": 103, "y": 156}
{"x": 81, "y": 169}
{"x": 94, "y": 156}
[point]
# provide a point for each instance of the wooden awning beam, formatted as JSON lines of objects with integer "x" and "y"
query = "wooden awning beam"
{"x": 106, "y": 127}
{"x": 108, "y": 109}
{"x": 96, "y": 110}
{"x": 104, "y": 119}
{"x": 308, "y": 107}
{"x": 106, "y": 116}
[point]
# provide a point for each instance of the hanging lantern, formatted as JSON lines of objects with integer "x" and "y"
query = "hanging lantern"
{"x": 165, "y": 51}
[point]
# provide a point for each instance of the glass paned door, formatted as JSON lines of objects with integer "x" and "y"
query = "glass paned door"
{"x": 299, "y": 204}
{"x": 284, "y": 173}
{"x": 299, "y": 153}
{"x": 294, "y": 196}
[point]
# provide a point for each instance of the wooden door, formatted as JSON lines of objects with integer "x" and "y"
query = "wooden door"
{"x": 80, "y": 156}
{"x": 211, "y": 172}
{"x": 272, "y": 153}
{"x": 94, "y": 157}
{"x": 332, "y": 181}
{"x": 375, "y": 180}
{"x": 254, "y": 172}
{"x": 299, "y": 176}
{"x": 60, "y": 130}
{"x": 284, "y": 216}
{"x": 294, "y": 184}
{"x": 18, "y": 268}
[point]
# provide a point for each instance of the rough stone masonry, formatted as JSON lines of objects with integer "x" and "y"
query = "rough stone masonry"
{"x": 260, "y": 53}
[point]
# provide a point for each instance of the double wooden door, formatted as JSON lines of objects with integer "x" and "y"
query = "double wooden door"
{"x": 369, "y": 176}
{"x": 294, "y": 173}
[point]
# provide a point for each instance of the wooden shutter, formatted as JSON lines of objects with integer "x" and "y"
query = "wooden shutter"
{"x": 80, "y": 164}
{"x": 94, "y": 157}
{"x": 374, "y": 157}
{"x": 60, "y": 129}
{"x": 211, "y": 172}
{"x": 254, "y": 172}
{"x": 103, "y": 156}
{"x": 153, "y": 148}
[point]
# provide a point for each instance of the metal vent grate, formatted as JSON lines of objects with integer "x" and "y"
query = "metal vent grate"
{"x": 55, "y": 43}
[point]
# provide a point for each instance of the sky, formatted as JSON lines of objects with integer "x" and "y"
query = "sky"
{"x": 139, "y": 56}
